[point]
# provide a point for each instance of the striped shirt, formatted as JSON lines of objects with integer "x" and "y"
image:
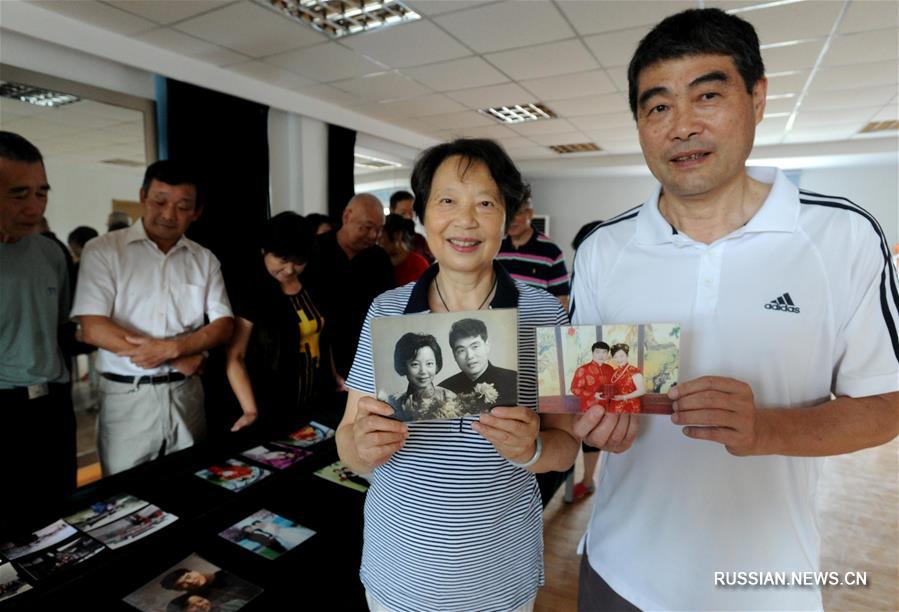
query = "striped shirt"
{"x": 538, "y": 262}
{"x": 449, "y": 523}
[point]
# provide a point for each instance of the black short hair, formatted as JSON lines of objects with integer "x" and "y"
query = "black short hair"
{"x": 171, "y": 173}
{"x": 398, "y": 196}
{"x": 620, "y": 347}
{"x": 394, "y": 223}
{"x": 81, "y": 234}
{"x": 407, "y": 348}
{"x": 17, "y": 148}
{"x": 289, "y": 236}
{"x": 171, "y": 579}
{"x": 179, "y": 603}
{"x": 708, "y": 31}
{"x": 502, "y": 169}
{"x": 599, "y": 345}
{"x": 466, "y": 328}
{"x": 316, "y": 220}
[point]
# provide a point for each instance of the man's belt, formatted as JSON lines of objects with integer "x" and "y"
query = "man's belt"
{"x": 144, "y": 380}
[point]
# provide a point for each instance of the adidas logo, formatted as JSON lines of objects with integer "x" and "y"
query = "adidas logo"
{"x": 784, "y": 303}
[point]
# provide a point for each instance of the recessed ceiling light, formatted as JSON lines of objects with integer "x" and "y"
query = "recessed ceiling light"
{"x": 35, "y": 95}
{"x": 338, "y": 18}
{"x": 581, "y": 147}
{"x": 367, "y": 161}
{"x": 880, "y": 126}
{"x": 518, "y": 113}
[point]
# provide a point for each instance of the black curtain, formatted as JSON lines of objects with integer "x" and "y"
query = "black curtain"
{"x": 341, "y": 186}
{"x": 226, "y": 140}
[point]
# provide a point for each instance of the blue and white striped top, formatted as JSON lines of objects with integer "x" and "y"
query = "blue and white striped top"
{"x": 449, "y": 523}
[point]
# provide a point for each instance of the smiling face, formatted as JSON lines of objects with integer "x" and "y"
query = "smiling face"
{"x": 167, "y": 211}
{"x": 472, "y": 355}
{"x": 696, "y": 122}
{"x": 190, "y": 580}
{"x": 464, "y": 216}
{"x": 421, "y": 369}
{"x": 619, "y": 358}
{"x": 282, "y": 270}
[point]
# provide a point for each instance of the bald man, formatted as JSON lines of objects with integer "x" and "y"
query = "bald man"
{"x": 350, "y": 272}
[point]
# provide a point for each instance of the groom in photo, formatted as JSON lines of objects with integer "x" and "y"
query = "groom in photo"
{"x": 471, "y": 350}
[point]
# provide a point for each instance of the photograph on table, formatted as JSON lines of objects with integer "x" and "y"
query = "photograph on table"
{"x": 193, "y": 584}
{"x": 104, "y": 512}
{"x": 446, "y": 365}
{"x": 307, "y": 435}
{"x": 624, "y": 368}
{"x": 342, "y": 475}
{"x": 267, "y": 534}
{"x": 233, "y": 475}
{"x": 11, "y": 584}
{"x": 50, "y": 561}
{"x": 278, "y": 457}
{"x": 53, "y": 533}
{"x": 133, "y": 527}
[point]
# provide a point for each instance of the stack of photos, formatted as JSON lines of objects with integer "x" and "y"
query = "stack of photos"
{"x": 279, "y": 457}
{"x": 446, "y": 365}
{"x": 193, "y": 584}
{"x": 622, "y": 368}
{"x": 342, "y": 475}
{"x": 121, "y": 520}
{"x": 267, "y": 534}
{"x": 11, "y": 584}
{"x": 52, "y": 549}
{"x": 233, "y": 475}
{"x": 310, "y": 434}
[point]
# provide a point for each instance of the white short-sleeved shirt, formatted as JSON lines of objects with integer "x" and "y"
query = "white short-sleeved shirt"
{"x": 800, "y": 302}
{"x": 125, "y": 276}
{"x": 450, "y": 524}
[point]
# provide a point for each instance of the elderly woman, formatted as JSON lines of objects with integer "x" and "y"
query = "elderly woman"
{"x": 453, "y": 516}
{"x": 418, "y": 358}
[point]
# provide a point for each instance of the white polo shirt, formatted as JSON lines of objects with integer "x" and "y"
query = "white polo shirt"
{"x": 125, "y": 276}
{"x": 800, "y": 302}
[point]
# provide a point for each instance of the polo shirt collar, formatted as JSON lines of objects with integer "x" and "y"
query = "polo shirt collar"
{"x": 506, "y": 295}
{"x": 136, "y": 233}
{"x": 779, "y": 212}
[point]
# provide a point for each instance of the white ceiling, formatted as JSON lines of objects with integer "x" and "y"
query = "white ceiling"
{"x": 832, "y": 64}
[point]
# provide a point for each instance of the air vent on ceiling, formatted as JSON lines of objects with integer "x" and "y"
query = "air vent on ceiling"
{"x": 583, "y": 147}
{"x": 880, "y": 126}
{"x": 35, "y": 95}
{"x": 123, "y": 162}
{"x": 519, "y": 113}
{"x": 366, "y": 161}
{"x": 339, "y": 18}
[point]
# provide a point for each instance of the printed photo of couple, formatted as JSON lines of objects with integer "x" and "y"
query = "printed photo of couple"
{"x": 267, "y": 534}
{"x": 233, "y": 475}
{"x": 194, "y": 584}
{"x": 446, "y": 365}
{"x": 11, "y": 584}
{"x": 622, "y": 368}
{"x": 278, "y": 457}
{"x": 50, "y": 561}
{"x": 307, "y": 435}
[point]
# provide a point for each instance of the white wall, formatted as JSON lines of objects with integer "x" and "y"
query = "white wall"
{"x": 82, "y": 194}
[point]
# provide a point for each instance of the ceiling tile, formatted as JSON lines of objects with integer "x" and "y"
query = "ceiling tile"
{"x": 576, "y": 85}
{"x": 780, "y": 105}
{"x": 407, "y": 44}
{"x": 167, "y": 11}
{"x": 618, "y": 74}
{"x": 834, "y": 100}
{"x": 493, "y": 95}
{"x": 385, "y": 86}
{"x": 591, "y": 105}
{"x": 507, "y": 25}
{"x": 530, "y": 152}
{"x": 595, "y": 17}
{"x": 330, "y": 94}
{"x": 823, "y": 133}
{"x": 439, "y": 7}
{"x": 794, "y": 21}
{"x": 793, "y": 57}
{"x": 175, "y": 41}
{"x": 807, "y": 119}
{"x": 457, "y": 74}
{"x": 434, "y": 104}
{"x": 560, "y": 138}
{"x": 465, "y": 119}
{"x": 856, "y": 76}
{"x": 271, "y": 74}
{"x": 620, "y": 147}
{"x": 551, "y": 126}
{"x": 100, "y": 15}
{"x": 515, "y": 142}
{"x": 489, "y": 131}
{"x": 890, "y": 112}
{"x": 544, "y": 60}
{"x": 601, "y": 122}
{"x": 615, "y": 48}
{"x": 784, "y": 83}
{"x": 769, "y": 126}
{"x": 862, "y": 47}
{"x": 616, "y": 133}
{"x": 328, "y": 62}
{"x": 251, "y": 29}
{"x": 870, "y": 16}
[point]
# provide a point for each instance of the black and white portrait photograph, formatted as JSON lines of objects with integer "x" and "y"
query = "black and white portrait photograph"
{"x": 446, "y": 365}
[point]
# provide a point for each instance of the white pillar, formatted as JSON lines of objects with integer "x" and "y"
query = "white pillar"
{"x": 298, "y": 162}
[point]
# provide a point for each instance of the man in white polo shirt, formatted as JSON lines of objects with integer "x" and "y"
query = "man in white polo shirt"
{"x": 784, "y": 296}
{"x": 143, "y": 295}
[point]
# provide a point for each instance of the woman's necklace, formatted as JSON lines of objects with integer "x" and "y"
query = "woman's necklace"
{"x": 489, "y": 293}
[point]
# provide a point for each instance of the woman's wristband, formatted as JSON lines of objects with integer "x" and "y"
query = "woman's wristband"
{"x": 537, "y": 452}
